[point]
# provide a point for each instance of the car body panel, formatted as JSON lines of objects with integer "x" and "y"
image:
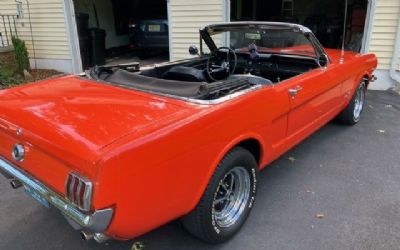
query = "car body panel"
{"x": 150, "y": 156}
{"x": 74, "y": 119}
{"x": 263, "y": 115}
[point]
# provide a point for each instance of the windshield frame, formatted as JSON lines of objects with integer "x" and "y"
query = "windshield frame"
{"x": 207, "y": 32}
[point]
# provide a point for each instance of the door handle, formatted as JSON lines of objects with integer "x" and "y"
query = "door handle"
{"x": 294, "y": 91}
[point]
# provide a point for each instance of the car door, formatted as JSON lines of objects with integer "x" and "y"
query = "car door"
{"x": 313, "y": 100}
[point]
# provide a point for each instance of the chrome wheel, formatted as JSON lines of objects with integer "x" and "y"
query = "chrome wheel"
{"x": 231, "y": 197}
{"x": 359, "y": 102}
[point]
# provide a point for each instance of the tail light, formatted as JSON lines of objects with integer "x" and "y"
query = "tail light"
{"x": 79, "y": 191}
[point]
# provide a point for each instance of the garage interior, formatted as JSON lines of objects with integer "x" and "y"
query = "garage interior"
{"x": 324, "y": 17}
{"x": 106, "y": 37}
{"x": 106, "y": 30}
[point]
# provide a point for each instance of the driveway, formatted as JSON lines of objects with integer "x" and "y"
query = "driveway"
{"x": 340, "y": 189}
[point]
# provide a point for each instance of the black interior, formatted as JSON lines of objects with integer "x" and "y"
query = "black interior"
{"x": 189, "y": 78}
{"x": 273, "y": 67}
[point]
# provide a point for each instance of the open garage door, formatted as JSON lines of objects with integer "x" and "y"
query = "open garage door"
{"x": 122, "y": 31}
{"x": 324, "y": 17}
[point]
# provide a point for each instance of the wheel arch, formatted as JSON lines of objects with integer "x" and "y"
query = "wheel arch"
{"x": 366, "y": 78}
{"x": 252, "y": 142}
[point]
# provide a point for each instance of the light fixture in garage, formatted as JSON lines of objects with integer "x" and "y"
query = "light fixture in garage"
{"x": 344, "y": 30}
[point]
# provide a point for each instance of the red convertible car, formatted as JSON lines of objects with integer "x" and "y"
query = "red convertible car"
{"x": 121, "y": 152}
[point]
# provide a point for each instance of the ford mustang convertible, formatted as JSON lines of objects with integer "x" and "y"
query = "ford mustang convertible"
{"x": 120, "y": 152}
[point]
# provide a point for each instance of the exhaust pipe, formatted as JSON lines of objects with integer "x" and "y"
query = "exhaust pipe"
{"x": 98, "y": 237}
{"x": 101, "y": 238}
{"x": 86, "y": 235}
{"x": 15, "y": 184}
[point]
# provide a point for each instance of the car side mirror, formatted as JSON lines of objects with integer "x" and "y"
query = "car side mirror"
{"x": 193, "y": 50}
{"x": 323, "y": 60}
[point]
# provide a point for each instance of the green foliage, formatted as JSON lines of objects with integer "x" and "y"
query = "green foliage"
{"x": 21, "y": 55}
{"x": 8, "y": 76}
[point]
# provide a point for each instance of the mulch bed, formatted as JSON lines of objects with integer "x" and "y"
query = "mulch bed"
{"x": 41, "y": 74}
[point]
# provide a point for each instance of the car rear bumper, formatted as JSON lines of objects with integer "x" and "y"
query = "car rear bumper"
{"x": 97, "y": 221}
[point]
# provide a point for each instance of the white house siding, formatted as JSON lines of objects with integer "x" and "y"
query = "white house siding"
{"x": 186, "y": 18}
{"x": 383, "y": 38}
{"x": 384, "y": 31}
{"x": 48, "y": 44}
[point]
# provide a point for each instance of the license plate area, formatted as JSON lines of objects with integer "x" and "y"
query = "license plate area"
{"x": 154, "y": 28}
{"x": 32, "y": 193}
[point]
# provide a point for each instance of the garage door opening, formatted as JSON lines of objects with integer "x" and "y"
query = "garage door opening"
{"x": 324, "y": 17}
{"x": 122, "y": 31}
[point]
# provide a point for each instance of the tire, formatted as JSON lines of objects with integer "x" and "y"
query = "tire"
{"x": 352, "y": 113}
{"x": 214, "y": 220}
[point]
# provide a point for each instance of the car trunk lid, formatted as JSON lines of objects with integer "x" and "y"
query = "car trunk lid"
{"x": 65, "y": 123}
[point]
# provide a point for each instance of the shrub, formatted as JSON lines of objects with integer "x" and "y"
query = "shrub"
{"x": 21, "y": 55}
{"x": 8, "y": 76}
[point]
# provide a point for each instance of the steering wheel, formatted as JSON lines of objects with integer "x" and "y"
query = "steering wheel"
{"x": 219, "y": 63}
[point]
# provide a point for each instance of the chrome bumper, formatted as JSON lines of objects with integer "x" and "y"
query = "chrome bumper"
{"x": 96, "y": 222}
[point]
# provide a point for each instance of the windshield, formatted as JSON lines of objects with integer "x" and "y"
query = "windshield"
{"x": 276, "y": 40}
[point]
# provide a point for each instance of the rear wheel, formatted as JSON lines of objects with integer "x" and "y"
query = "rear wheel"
{"x": 352, "y": 114}
{"x": 228, "y": 199}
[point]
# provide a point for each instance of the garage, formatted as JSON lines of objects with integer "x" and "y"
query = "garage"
{"x": 122, "y": 31}
{"x": 324, "y": 17}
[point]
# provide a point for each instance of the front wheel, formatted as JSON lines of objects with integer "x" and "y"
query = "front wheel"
{"x": 352, "y": 114}
{"x": 228, "y": 199}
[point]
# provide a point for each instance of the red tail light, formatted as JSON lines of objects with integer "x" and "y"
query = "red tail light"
{"x": 79, "y": 191}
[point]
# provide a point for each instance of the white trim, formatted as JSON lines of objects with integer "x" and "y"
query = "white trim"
{"x": 369, "y": 23}
{"x": 384, "y": 81}
{"x": 62, "y": 65}
{"x": 227, "y": 10}
{"x": 73, "y": 38}
{"x": 394, "y": 74}
{"x": 227, "y": 18}
{"x": 169, "y": 13}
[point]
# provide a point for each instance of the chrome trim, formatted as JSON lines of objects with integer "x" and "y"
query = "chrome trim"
{"x": 77, "y": 195}
{"x": 231, "y": 197}
{"x": 87, "y": 196}
{"x": 71, "y": 186}
{"x": 74, "y": 197}
{"x": 18, "y": 152}
{"x": 98, "y": 221}
{"x": 257, "y": 23}
{"x": 19, "y": 131}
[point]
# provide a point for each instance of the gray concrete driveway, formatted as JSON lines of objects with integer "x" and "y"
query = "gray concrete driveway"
{"x": 347, "y": 176}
